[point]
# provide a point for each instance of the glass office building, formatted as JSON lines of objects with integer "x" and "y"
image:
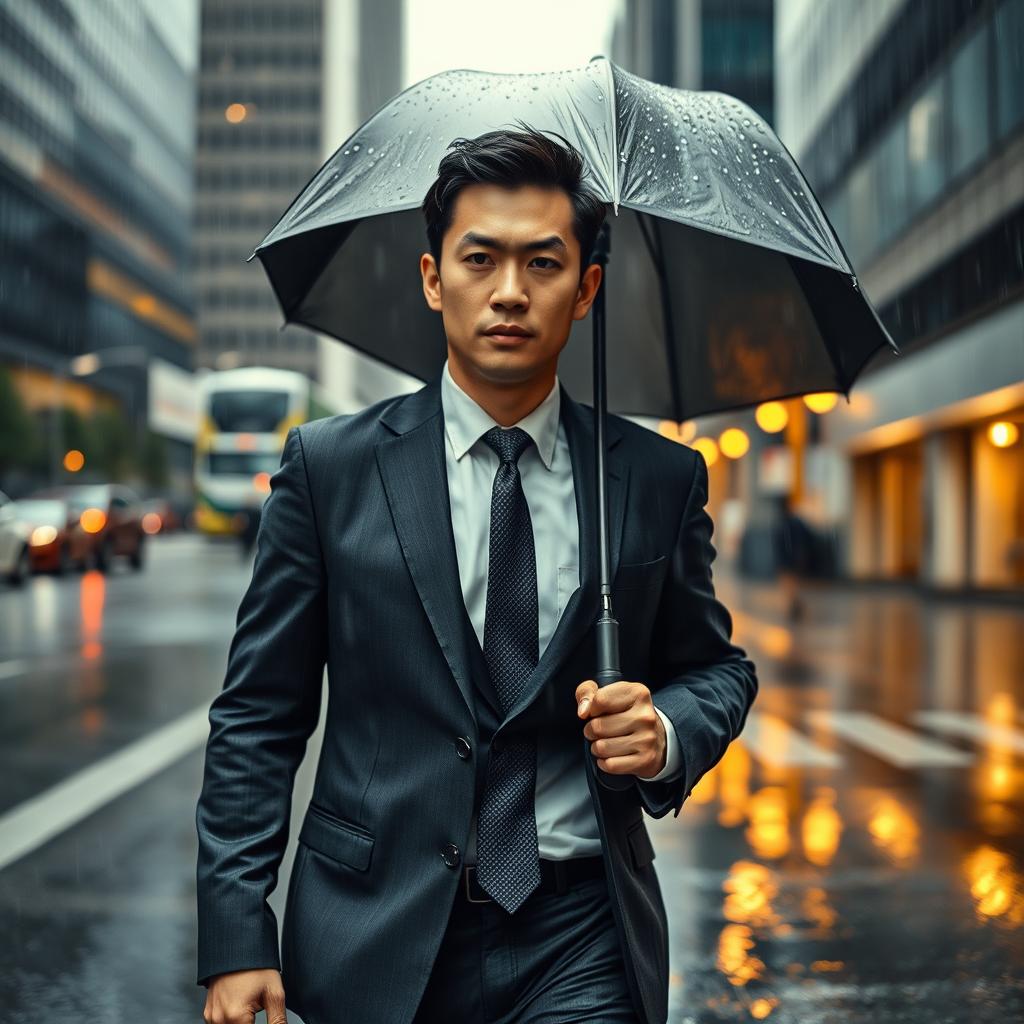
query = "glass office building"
{"x": 96, "y": 151}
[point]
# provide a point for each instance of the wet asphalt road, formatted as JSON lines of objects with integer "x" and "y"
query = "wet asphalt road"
{"x": 858, "y": 856}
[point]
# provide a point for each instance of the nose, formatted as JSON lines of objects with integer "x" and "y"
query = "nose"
{"x": 508, "y": 291}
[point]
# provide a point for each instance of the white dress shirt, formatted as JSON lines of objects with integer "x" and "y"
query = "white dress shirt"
{"x": 566, "y": 823}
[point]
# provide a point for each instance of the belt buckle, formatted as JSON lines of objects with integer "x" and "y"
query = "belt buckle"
{"x": 469, "y": 891}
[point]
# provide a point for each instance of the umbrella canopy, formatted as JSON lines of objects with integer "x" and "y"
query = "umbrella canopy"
{"x": 726, "y": 285}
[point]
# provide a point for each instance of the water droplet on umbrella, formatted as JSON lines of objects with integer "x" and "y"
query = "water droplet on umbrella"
{"x": 696, "y": 178}
{"x": 356, "y": 147}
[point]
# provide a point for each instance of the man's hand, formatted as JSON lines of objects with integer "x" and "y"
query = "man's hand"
{"x": 628, "y": 734}
{"x": 236, "y": 996}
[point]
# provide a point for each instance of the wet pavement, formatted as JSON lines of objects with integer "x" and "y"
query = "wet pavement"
{"x": 858, "y": 855}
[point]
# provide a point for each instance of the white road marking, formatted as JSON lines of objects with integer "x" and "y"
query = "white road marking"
{"x": 887, "y": 741}
{"x": 17, "y": 667}
{"x": 772, "y": 740}
{"x": 972, "y": 727}
{"x": 32, "y": 823}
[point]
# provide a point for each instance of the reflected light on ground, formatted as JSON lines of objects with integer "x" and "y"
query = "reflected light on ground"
{"x": 732, "y": 775}
{"x": 821, "y": 827}
{"x": 893, "y": 830}
{"x": 995, "y": 885}
{"x": 92, "y": 595}
{"x": 768, "y": 832}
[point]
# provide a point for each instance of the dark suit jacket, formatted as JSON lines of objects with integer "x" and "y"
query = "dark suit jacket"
{"x": 356, "y": 567}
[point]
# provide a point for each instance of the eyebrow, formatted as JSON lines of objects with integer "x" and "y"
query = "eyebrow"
{"x": 551, "y": 242}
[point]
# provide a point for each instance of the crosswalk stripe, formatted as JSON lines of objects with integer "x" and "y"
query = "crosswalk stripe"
{"x": 772, "y": 740}
{"x": 32, "y": 823}
{"x": 972, "y": 727}
{"x": 887, "y": 741}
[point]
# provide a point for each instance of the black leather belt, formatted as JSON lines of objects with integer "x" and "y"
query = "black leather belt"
{"x": 556, "y": 876}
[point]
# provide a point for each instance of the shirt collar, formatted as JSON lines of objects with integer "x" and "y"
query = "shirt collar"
{"x": 465, "y": 422}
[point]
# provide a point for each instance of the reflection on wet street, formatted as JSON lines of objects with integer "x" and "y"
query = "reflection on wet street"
{"x": 857, "y": 854}
{"x": 855, "y": 857}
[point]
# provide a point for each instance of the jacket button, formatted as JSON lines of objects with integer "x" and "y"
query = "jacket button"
{"x": 462, "y": 745}
{"x": 450, "y": 855}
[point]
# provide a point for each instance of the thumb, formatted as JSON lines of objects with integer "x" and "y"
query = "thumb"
{"x": 585, "y": 696}
{"x": 273, "y": 1003}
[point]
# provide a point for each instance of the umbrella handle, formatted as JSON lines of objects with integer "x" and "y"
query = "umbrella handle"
{"x": 608, "y": 672}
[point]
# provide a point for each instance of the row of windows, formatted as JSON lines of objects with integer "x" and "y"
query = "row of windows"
{"x": 219, "y": 95}
{"x": 917, "y": 42}
{"x": 240, "y": 298}
{"x": 258, "y": 136}
{"x": 253, "y": 176}
{"x": 293, "y": 339}
{"x": 232, "y": 217}
{"x": 254, "y": 17}
{"x": 224, "y": 56}
{"x": 986, "y": 273}
{"x": 954, "y": 122}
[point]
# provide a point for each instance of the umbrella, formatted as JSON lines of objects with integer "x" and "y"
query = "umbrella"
{"x": 728, "y": 285}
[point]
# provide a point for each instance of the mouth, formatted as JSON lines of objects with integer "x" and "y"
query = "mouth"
{"x": 508, "y": 334}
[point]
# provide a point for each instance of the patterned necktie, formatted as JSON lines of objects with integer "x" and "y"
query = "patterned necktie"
{"x": 508, "y": 862}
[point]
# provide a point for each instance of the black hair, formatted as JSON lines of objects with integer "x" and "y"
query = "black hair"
{"x": 513, "y": 158}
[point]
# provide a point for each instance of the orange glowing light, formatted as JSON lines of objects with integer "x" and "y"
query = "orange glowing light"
{"x": 261, "y": 482}
{"x": 245, "y": 442}
{"x": 74, "y": 460}
{"x": 151, "y": 523}
{"x": 771, "y": 417}
{"x": 235, "y": 112}
{"x": 683, "y": 432}
{"x": 93, "y": 520}
{"x": 707, "y": 447}
{"x": 821, "y": 401}
{"x": 733, "y": 443}
{"x": 1003, "y": 434}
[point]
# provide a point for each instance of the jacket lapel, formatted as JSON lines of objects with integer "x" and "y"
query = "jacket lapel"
{"x": 415, "y": 478}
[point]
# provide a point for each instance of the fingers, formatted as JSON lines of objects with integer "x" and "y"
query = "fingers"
{"x": 584, "y": 696}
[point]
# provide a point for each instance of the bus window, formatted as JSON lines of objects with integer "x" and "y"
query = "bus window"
{"x": 252, "y": 411}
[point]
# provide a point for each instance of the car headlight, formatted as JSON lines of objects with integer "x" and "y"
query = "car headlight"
{"x": 43, "y": 535}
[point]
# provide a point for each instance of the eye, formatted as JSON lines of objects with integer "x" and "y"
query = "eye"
{"x": 553, "y": 263}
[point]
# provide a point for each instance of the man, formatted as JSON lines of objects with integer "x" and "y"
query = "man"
{"x": 461, "y": 859}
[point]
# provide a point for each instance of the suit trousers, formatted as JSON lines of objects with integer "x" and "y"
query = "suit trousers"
{"x": 556, "y": 960}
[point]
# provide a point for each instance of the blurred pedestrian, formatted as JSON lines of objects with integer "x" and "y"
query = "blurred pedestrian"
{"x": 794, "y": 557}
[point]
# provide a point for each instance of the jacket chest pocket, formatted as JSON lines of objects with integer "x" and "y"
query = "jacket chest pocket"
{"x": 638, "y": 575}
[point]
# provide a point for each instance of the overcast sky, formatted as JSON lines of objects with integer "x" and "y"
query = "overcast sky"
{"x": 517, "y": 37}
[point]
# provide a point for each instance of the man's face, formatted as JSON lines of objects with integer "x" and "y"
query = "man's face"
{"x": 490, "y": 277}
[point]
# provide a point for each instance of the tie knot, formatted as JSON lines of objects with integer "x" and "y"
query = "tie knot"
{"x": 508, "y": 443}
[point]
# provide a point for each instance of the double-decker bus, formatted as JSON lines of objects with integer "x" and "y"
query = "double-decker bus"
{"x": 244, "y": 416}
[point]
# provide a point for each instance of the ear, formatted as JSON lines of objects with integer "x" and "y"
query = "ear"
{"x": 431, "y": 281}
{"x": 587, "y": 290}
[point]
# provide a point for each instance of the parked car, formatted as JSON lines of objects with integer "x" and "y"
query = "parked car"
{"x": 53, "y": 542}
{"x": 109, "y": 517}
{"x": 15, "y": 559}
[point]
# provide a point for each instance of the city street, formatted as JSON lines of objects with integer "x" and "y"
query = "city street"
{"x": 857, "y": 855}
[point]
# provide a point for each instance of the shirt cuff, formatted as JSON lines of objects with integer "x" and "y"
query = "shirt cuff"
{"x": 672, "y": 754}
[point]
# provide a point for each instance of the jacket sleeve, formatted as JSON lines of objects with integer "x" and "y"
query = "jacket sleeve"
{"x": 704, "y": 683}
{"x": 259, "y": 725}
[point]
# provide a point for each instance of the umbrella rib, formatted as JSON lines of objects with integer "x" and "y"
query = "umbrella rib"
{"x": 614, "y": 134}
